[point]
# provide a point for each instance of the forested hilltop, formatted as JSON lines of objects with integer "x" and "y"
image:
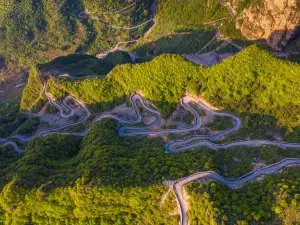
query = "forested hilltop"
{"x": 129, "y": 171}
{"x": 253, "y": 81}
{"x": 112, "y": 85}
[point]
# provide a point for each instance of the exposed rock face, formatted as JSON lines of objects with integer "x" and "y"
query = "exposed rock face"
{"x": 273, "y": 20}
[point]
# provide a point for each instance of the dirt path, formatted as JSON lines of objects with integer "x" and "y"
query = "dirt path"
{"x": 85, "y": 14}
{"x": 120, "y": 10}
{"x": 231, "y": 10}
{"x": 229, "y": 41}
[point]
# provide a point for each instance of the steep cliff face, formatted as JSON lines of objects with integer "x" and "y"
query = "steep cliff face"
{"x": 276, "y": 21}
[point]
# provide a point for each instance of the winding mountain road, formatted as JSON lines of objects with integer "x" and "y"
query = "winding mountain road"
{"x": 195, "y": 141}
{"x": 86, "y": 14}
{"x": 127, "y": 28}
{"x": 65, "y": 104}
{"x": 5, "y": 142}
{"x": 179, "y": 184}
{"x": 172, "y": 147}
{"x": 120, "y": 10}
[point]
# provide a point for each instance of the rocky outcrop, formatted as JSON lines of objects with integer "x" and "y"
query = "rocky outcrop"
{"x": 276, "y": 21}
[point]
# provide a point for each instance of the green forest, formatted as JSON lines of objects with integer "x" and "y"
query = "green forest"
{"x": 240, "y": 84}
{"x": 255, "y": 90}
{"x": 36, "y": 31}
{"x": 103, "y": 178}
{"x": 275, "y": 200}
{"x": 82, "y": 181}
{"x": 70, "y": 180}
{"x": 82, "y": 204}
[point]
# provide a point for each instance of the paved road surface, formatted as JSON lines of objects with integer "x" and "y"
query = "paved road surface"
{"x": 179, "y": 184}
{"x": 173, "y": 147}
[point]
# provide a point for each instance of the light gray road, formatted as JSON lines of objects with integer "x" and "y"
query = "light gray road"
{"x": 179, "y": 184}
{"x": 84, "y": 15}
{"x": 232, "y": 12}
{"x": 5, "y": 142}
{"x": 120, "y": 10}
{"x": 49, "y": 131}
{"x": 173, "y": 147}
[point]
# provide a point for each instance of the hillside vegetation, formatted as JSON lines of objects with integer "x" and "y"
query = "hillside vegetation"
{"x": 268, "y": 86}
{"x": 36, "y": 31}
{"x": 274, "y": 200}
{"x": 105, "y": 178}
{"x": 186, "y": 15}
{"x": 81, "y": 204}
{"x": 103, "y": 160}
{"x": 185, "y": 28}
{"x": 32, "y": 92}
{"x": 29, "y": 27}
{"x": 162, "y": 81}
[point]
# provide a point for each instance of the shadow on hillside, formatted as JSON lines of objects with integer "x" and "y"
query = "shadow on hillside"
{"x": 187, "y": 42}
{"x": 78, "y": 65}
{"x": 194, "y": 42}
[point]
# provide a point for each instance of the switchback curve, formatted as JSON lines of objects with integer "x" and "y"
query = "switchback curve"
{"x": 179, "y": 184}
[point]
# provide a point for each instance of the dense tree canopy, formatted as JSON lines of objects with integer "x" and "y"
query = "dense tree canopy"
{"x": 32, "y": 31}
{"x": 274, "y": 200}
{"x": 267, "y": 86}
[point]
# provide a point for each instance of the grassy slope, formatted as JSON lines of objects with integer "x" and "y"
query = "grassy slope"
{"x": 185, "y": 15}
{"x": 32, "y": 92}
